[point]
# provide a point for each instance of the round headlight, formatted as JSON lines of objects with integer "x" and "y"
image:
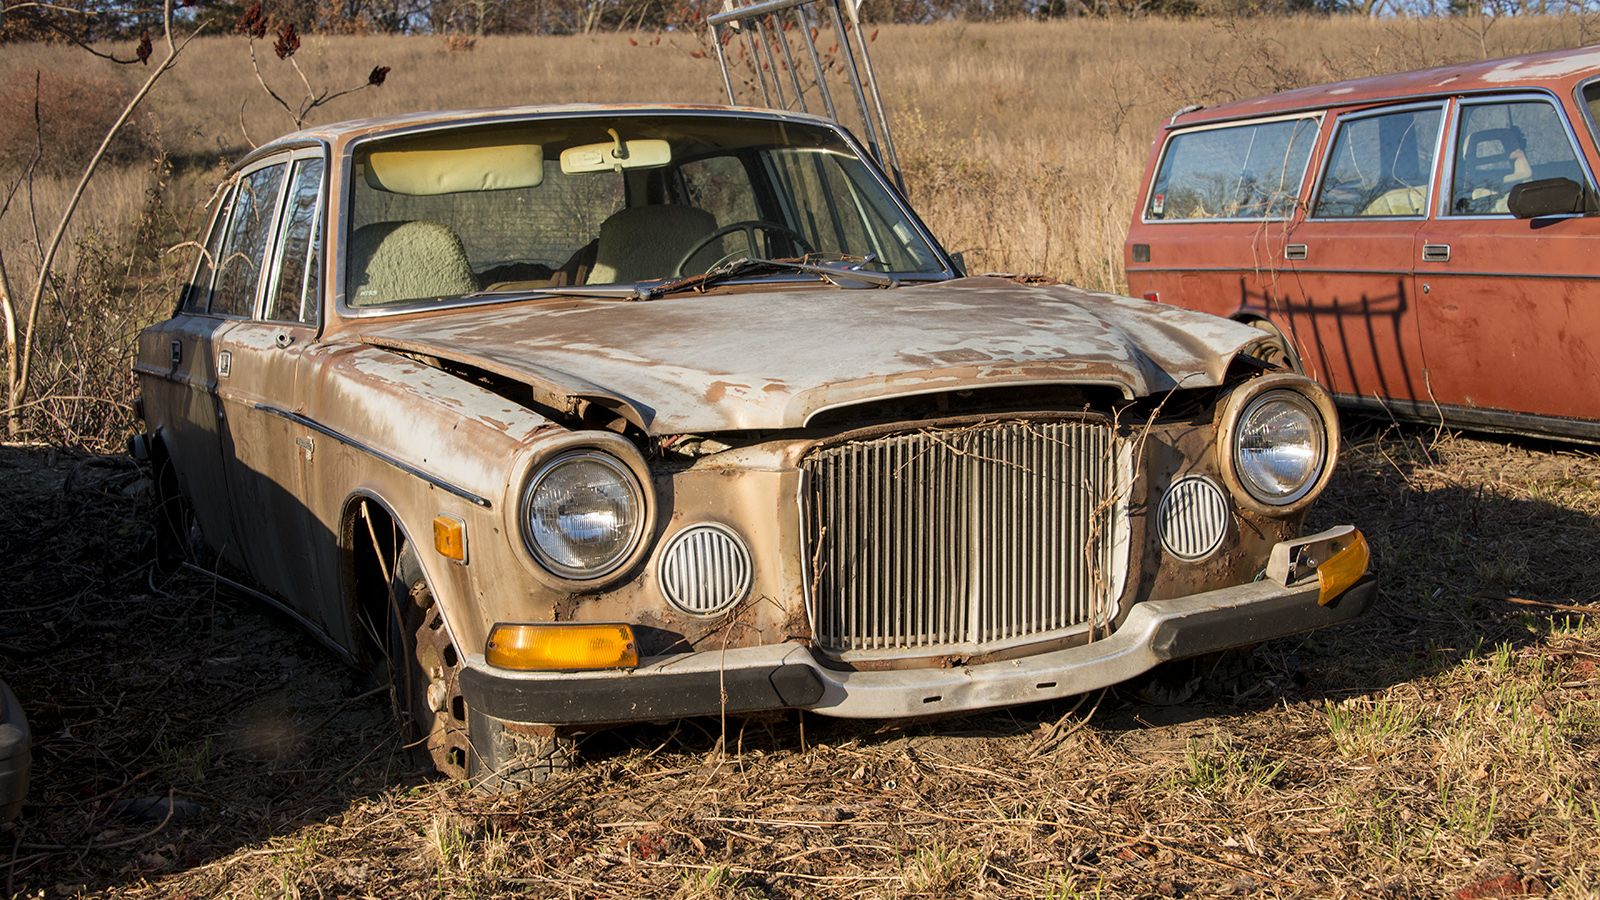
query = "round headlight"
{"x": 1280, "y": 447}
{"x": 582, "y": 514}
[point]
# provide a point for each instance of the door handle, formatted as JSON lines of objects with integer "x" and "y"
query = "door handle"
{"x": 1435, "y": 252}
{"x": 1295, "y": 251}
{"x": 177, "y": 352}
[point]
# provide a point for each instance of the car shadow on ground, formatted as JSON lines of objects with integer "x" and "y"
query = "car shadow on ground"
{"x": 144, "y": 687}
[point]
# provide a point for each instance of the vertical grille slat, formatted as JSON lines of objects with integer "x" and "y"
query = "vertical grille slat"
{"x": 962, "y": 536}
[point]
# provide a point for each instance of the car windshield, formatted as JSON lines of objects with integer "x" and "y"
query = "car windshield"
{"x": 580, "y": 204}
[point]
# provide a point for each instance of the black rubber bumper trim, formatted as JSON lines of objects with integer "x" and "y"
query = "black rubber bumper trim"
{"x": 1241, "y": 626}
{"x": 624, "y": 698}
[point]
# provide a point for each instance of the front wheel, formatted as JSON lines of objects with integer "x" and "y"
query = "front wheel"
{"x": 440, "y": 729}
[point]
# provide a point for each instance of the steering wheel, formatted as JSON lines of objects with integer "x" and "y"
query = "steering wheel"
{"x": 748, "y": 227}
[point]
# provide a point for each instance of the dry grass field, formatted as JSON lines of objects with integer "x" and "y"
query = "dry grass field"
{"x": 1446, "y": 746}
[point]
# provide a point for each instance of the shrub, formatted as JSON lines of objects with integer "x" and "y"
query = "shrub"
{"x": 75, "y": 112}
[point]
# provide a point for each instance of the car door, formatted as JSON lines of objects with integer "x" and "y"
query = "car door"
{"x": 1348, "y": 294}
{"x": 1510, "y": 306}
{"x": 178, "y": 381}
{"x": 263, "y": 392}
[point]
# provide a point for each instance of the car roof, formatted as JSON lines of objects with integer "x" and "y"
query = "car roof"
{"x": 1556, "y": 70}
{"x": 337, "y": 134}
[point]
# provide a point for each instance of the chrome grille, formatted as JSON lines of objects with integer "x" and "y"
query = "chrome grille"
{"x": 963, "y": 536}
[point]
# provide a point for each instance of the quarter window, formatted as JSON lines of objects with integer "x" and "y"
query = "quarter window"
{"x": 1250, "y": 171}
{"x": 294, "y": 298}
{"x": 239, "y": 264}
{"x": 199, "y": 295}
{"x": 1502, "y": 145}
{"x": 1380, "y": 166}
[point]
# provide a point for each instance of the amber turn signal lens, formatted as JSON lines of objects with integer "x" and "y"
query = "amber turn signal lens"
{"x": 1343, "y": 569}
{"x": 450, "y": 537}
{"x": 562, "y": 647}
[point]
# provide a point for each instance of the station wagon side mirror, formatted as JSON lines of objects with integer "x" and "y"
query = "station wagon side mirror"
{"x": 1550, "y": 197}
{"x": 959, "y": 260}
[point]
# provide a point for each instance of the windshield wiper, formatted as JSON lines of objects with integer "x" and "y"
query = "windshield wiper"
{"x": 836, "y": 275}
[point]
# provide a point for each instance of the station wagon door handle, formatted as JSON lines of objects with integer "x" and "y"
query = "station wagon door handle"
{"x": 1435, "y": 252}
{"x": 1294, "y": 251}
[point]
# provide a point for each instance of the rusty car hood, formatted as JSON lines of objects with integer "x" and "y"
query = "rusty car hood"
{"x": 702, "y": 363}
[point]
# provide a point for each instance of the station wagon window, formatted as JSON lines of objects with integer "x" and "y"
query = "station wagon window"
{"x": 1250, "y": 171}
{"x": 239, "y": 263}
{"x": 1381, "y": 166}
{"x": 1501, "y": 145}
{"x": 293, "y": 297}
{"x": 199, "y": 295}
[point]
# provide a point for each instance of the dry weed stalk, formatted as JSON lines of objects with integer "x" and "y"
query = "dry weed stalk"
{"x": 20, "y": 347}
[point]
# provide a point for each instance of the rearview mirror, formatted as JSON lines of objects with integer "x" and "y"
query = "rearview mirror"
{"x": 1550, "y": 197}
{"x": 609, "y": 156}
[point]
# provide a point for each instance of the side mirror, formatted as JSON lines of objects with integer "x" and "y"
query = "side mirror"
{"x": 959, "y": 260}
{"x": 1550, "y": 197}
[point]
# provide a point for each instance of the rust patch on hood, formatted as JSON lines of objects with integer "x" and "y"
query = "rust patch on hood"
{"x": 771, "y": 360}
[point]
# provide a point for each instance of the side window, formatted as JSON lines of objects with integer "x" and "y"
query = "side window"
{"x": 199, "y": 293}
{"x": 294, "y": 295}
{"x": 239, "y": 263}
{"x": 720, "y": 186}
{"x": 1250, "y": 171}
{"x": 1380, "y": 166}
{"x": 1501, "y": 145}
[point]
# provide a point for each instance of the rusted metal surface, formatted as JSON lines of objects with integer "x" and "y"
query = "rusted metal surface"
{"x": 741, "y": 361}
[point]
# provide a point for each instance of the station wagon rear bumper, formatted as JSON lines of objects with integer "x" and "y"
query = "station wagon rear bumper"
{"x": 792, "y": 676}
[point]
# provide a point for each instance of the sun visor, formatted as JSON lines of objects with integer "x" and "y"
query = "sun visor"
{"x": 451, "y": 164}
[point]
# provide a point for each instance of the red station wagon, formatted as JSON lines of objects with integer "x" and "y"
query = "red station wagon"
{"x": 1421, "y": 243}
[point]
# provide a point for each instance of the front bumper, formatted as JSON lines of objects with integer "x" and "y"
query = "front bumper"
{"x": 792, "y": 676}
{"x": 14, "y": 755}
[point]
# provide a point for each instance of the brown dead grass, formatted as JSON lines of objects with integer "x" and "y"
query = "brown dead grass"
{"x": 1450, "y": 740}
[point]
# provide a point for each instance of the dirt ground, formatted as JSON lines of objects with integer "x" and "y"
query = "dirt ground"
{"x": 191, "y": 744}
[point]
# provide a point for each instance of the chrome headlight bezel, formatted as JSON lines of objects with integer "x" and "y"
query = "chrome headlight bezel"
{"x": 626, "y": 475}
{"x": 1235, "y": 412}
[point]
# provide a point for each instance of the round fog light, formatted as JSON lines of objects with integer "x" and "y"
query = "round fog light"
{"x": 705, "y": 569}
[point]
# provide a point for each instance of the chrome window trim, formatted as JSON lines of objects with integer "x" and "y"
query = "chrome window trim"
{"x": 1144, "y": 207}
{"x": 270, "y": 248}
{"x": 1442, "y": 105}
{"x": 296, "y": 158}
{"x": 1583, "y": 109}
{"x": 1442, "y": 208}
{"x": 346, "y": 163}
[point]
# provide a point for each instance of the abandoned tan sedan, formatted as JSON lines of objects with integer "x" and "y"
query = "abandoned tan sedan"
{"x": 585, "y": 416}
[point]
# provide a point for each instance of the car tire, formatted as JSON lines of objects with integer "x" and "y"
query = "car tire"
{"x": 15, "y": 755}
{"x": 511, "y": 756}
{"x": 1181, "y": 680}
{"x": 440, "y": 728}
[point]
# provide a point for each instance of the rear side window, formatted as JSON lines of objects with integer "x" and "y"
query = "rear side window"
{"x": 1381, "y": 166}
{"x": 1502, "y": 145}
{"x": 1249, "y": 171}
{"x": 239, "y": 264}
